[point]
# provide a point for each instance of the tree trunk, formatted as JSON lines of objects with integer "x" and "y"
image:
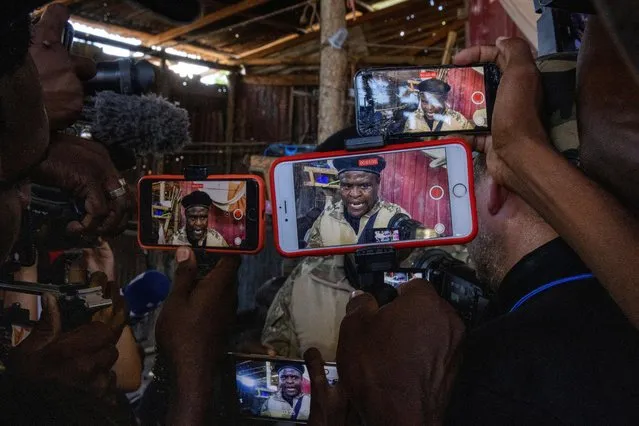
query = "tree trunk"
{"x": 333, "y": 71}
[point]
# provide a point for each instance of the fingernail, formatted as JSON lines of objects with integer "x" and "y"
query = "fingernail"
{"x": 182, "y": 254}
{"x": 500, "y": 39}
{"x": 356, "y": 293}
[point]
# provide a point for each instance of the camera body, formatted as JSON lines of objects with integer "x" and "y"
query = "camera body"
{"x": 456, "y": 282}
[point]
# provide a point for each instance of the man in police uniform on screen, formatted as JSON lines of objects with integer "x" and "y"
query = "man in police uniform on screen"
{"x": 347, "y": 221}
{"x": 289, "y": 402}
{"x": 434, "y": 115}
{"x": 196, "y": 232}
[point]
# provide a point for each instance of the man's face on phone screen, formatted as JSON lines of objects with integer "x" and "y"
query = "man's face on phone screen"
{"x": 359, "y": 192}
{"x": 433, "y": 104}
{"x": 290, "y": 382}
{"x": 197, "y": 223}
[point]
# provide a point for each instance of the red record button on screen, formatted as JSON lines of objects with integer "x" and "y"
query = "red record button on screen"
{"x": 436, "y": 192}
{"x": 478, "y": 98}
{"x": 238, "y": 214}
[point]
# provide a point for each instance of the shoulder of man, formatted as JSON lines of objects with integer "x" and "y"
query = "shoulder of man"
{"x": 180, "y": 237}
{"x": 391, "y": 207}
{"x": 457, "y": 116}
{"x": 334, "y": 210}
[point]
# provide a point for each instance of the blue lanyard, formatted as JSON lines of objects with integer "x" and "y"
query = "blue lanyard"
{"x": 547, "y": 286}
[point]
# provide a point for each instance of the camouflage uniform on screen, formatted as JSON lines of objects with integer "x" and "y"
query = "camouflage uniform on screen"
{"x": 213, "y": 239}
{"x": 450, "y": 120}
{"x": 433, "y": 96}
{"x": 332, "y": 229}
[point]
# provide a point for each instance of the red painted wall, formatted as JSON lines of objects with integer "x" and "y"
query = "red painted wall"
{"x": 407, "y": 180}
{"x": 463, "y": 83}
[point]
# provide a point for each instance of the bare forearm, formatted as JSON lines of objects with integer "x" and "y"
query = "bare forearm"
{"x": 192, "y": 396}
{"x": 593, "y": 222}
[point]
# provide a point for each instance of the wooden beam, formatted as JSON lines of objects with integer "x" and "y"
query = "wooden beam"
{"x": 314, "y": 60}
{"x": 270, "y": 46}
{"x": 294, "y": 41}
{"x": 282, "y": 80}
{"x": 433, "y": 37}
{"x": 206, "y": 54}
{"x": 206, "y": 20}
{"x": 397, "y": 60}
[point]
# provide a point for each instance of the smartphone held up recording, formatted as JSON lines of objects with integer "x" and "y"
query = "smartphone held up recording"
{"x": 274, "y": 389}
{"x": 223, "y": 214}
{"x": 417, "y": 102}
{"x": 406, "y": 195}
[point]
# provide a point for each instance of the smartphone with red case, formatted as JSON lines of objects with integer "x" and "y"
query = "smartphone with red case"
{"x": 220, "y": 214}
{"x": 405, "y": 195}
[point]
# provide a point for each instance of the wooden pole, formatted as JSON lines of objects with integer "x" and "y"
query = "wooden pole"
{"x": 448, "y": 50}
{"x": 333, "y": 71}
{"x": 230, "y": 119}
{"x": 165, "y": 91}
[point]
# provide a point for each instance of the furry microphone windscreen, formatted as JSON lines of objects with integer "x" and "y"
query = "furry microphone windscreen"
{"x": 145, "y": 124}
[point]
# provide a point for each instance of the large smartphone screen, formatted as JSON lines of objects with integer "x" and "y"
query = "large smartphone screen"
{"x": 413, "y": 101}
{"x": 276, "y": 389}
{"x": 210, "y": 214}
{"x": 374, "y": 199}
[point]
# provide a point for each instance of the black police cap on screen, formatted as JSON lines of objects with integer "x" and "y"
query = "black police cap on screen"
{"x": 297, "y": 367}
{"x": 434, "y": 85}
{"x": 197, "y": 199}
{"x": 370, "y": 164}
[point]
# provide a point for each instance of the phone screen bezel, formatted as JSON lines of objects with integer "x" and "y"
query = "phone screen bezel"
{"x": 254, "y": 203}
{"x": 491, "y": 75}
{"x": 284, "y": 211}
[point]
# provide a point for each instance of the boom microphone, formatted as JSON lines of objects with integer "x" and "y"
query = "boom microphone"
{"x": 144, "y": 124}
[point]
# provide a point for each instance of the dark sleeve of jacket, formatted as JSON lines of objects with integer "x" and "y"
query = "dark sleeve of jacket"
{"x": 484, "y": 406}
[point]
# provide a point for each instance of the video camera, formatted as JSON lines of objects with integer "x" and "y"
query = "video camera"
{"x": 456, "y": 282}
{"x": 124, "y": 76}
{"x": 374, "y": 271}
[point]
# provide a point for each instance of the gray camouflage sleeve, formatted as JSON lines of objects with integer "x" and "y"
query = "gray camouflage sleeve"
{"x": 279, "y": 330}
{"x": 314, "y": 235}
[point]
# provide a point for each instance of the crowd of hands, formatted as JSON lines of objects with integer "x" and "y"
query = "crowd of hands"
{"x": 396, "y": 364}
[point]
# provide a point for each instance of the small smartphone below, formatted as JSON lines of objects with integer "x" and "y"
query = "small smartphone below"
{"x": 401, "y": 277}
{"x": 417, "y": 102}
{"x": 405, "y": 195}
{"x": 274, "y": 389}
{"x": 222, "y": 214}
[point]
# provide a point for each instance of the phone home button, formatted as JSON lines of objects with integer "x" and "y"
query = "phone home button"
{"x": 459, "y": 190}
{"x": 251, "y": 214}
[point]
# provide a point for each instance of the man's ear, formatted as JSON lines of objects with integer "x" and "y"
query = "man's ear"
{"x": 497, "y": 196}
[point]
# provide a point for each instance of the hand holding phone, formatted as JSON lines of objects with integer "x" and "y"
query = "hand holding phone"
{"x": 223, "y": 214}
